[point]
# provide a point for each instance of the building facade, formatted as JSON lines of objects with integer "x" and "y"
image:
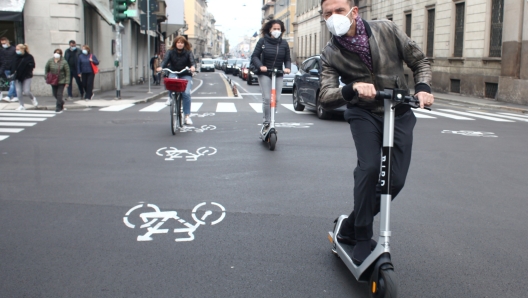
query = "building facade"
{"x": 196, "y": 20}
{"x": 308, "y": 31}
{"x": 284, "y": 10}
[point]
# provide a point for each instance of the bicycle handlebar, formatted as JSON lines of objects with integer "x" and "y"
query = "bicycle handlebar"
{"x": 176, "y": 72}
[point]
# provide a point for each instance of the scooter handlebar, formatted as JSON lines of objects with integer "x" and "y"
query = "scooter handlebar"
{"x": 276, "y": 71}
{"x": 410, "y": 100}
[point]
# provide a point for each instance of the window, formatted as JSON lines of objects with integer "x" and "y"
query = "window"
{"x": 497, "y": 14}
{"x": 459, "y": 29}
{"x": 430, "y": 32}
{"x": 408, "y": 24}
{"x": 455, "y": 86}
{"x": 491, "y": 90}
{"x": 306, "y": 46}
{"x": 307, "y": 65}
{"x": 315, "y": 44}
{"x": 310, "y": 45}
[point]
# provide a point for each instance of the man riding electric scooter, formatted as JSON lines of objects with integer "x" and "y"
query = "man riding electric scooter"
{"x": 368, "y": 56}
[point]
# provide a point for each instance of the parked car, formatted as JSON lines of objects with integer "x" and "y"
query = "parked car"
{"x": 207, "y": 65}
{"x": 306, "y": 88}
{"x": 244, "y": 71}
{"x": 252, "y": 77}
{"x": 237, "y": 66}
{"x": 228, "y": 65}
{"x": 288, "y": 79}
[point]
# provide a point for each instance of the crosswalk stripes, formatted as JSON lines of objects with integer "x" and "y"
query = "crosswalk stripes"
{"x": 2, "y": 137}
{"x": 11, "y": 130}
{"x": 226, "y": 107}
{"x": 516, "y": 117}
{"x": 195, "y": 106}
{"x": 476, "y": 116}
{"x": 155, "y": 107}
{"x": 456, "y": 117}
{"x": 290, "y": 107}
{"x": 256, "y": 106}
{"x": 117, "y": 108}
{"x": 12, "y": 122}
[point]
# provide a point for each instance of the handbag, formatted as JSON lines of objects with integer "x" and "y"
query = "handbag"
{"x": 252, "y": 67}
{"x": 95, "y": 69}
{"x": 53, "y": 78}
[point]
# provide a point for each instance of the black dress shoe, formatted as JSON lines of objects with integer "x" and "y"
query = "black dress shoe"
{"x": 361, "y": 251}
{"x": 352, "y": 241}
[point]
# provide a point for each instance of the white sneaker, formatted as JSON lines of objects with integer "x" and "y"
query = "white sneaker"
{"x": 6, "y": 99}
{"x": 14, "y": 99}
{"x": 188, "y": 121}
{"x": 167, "y": 102}
{"x": 35, "y": 102}
{"x": 20, "y": 108}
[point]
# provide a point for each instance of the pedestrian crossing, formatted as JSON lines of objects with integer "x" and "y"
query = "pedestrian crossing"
{"x": 237, "y": 107}
{"x": 14, "y": 122}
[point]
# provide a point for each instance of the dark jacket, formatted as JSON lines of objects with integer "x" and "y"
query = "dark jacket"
{"x": 23, "y": 66}
{"x": 389, "y": 47}
{"x": 178, "y": 61}
{"x": 275, "y": 52}
{"x": 62, "y": 66}
{"x": 7, "y": 57}
{"x": 84, "y": 65}
{"x": 72, "y": 57}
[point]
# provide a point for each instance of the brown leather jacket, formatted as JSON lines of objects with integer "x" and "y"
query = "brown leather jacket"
{"x": 389, "y": 47}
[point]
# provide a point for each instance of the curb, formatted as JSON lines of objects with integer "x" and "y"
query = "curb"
{"x": 499, "y": 107}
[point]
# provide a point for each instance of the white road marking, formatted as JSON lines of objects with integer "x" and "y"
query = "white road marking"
{"x": 195, "y": 106}
{"x": 197, "y": 87}
{"x": 21, "y": 119}
{"x": 517, "y": 115}
{"x": 155, "y": 107}
{"x": 11, "y": 130}
{"x": 444, "y": 115}
{"x": 250, "y": 93}
{"x": 17, "y": 123}
{"x": 225, "y": 97}
{"x": 256, "y": 106}
{"x": 226, "y": 107}
{"x": 116, "y": 108}
{"x": 289, "y": 106}
{"x": 27, "y": 115}
{"x": 418, "y": 115}
{"x": 502, "y": 116}
{"x": 3, "y": 137}
{"x": 476, "y": 116}
{"x": 28, "y": 111}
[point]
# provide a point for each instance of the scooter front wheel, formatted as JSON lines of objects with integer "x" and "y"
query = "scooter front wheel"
{"x": 272, "y": 140}
{"x": 385, "y": 286}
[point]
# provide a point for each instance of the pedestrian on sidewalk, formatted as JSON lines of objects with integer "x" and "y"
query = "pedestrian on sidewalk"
{"x": 22, "y": 68}
{"x": 154, "y": 64}
{"x": 58, "y": 66}
{"x": 7, "y": 57}
{"x": 86, "y": 72}
{"x": 178, "y": 58}
{"x": 71, "y": 55}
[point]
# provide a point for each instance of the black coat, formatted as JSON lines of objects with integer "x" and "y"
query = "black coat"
{"x": 7, "y": 57}
{"x": 23, "y": 66}
{"x": 72, "y": 57}
{"x": 178, "y": 61}
{"x": 275, "y": 52}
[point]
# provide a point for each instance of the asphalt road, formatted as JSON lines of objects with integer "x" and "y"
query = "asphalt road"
{"x": 74, "y": 188}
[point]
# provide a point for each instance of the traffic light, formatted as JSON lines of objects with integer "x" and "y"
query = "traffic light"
{"x": 121, "y": 11}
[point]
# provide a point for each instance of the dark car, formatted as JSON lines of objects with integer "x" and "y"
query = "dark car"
{"x": 306, "y": 88}
{"x": 228, "y": 65}
{"x": 288, "y": 79}
{"x": 237, "y": 66}
{"x": 251, "y": 77}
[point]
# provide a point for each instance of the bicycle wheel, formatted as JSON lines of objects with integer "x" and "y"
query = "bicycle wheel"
{"x": 174, "y": 122}
{"x": 179, "y": 112}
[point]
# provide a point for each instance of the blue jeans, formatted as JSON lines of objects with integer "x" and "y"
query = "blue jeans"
{"x": 187, "y": 94}
{"x": 12, "y": 90}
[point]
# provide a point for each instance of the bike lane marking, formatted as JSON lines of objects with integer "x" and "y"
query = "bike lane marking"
{"x": 173, "y": 153}
{"x": 470, "y": 133}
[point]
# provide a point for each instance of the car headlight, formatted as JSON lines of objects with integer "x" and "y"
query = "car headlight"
{"x": 251, "y": 73}
{"x": 245, "y": 71}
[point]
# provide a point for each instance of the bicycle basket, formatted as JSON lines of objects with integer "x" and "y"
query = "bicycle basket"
{"x": 175, "y": 85}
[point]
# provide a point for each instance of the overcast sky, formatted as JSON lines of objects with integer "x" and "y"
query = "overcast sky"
{"x": 236, "y": 20}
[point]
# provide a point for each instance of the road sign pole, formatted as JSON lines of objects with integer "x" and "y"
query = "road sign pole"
{"x": 148, "y": 44}
{"x": 118, "y": 56}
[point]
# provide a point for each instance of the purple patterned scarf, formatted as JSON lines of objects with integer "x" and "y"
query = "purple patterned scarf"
{"x": 358, "y": 43}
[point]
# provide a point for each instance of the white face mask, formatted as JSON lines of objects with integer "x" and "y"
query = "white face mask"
{"x": 85, "y": 52}
{"x": 276, "y": 33}
{"x": 5, "y": 45}
{"x": 73, "y": 48}
{"x": 339, "y": 24}
{"x": 56, "y": 56}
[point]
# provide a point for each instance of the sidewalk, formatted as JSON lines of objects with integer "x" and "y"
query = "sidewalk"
{"x": 129, "y": 95}
{"x": 482, "y": 102}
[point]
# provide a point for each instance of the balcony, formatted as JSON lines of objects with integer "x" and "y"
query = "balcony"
{"x": 268, "y": 4}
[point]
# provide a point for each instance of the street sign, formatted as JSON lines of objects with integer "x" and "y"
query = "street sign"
{"x": 154, "y": 5}
{"x": 153, "y": 22}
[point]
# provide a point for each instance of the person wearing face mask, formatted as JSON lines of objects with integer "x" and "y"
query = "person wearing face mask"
{"x": 7, "y": 57}
{"x": 177, "y": 58}
{"x": 22, "y": 69}
{"x": 71, "y": 55}
{"x": 154, "y": 64}
{"x": 369, "y": 56}
{"x": 57, "y": 65}
{"x": 271, "y": 52}
{"x": 85, "y": 71}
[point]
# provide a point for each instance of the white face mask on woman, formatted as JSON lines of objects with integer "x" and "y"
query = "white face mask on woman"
{"x": 85, "y": 52}
{"x": 339, "y": 24}
{"x": 56, "y": 56}
{"x": 276, "y": 33}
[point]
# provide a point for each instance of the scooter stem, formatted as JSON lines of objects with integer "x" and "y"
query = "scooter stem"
{"x": 273, "y": 101}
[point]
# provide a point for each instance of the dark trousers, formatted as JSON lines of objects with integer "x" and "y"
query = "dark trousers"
{"x": 87, "y": 83}
{"x": 367, "y": 131}
{"x": 79, "y": 84}
{"x": 58, "y": 91}
{"x": 156, "y": 77}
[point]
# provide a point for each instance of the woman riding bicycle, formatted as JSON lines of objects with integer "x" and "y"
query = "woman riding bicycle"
{"x": 271, "y": 52}
{"x": 178, "y": 58}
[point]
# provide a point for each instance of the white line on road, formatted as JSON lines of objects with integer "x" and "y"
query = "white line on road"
{"x": 155, "y": 107}
{"x": 289, "y": 106}
{"x": 116, "y": 108}
{"x": 443, "y": 115}
{"x": 250, "y": 93}
{"x": 200, "y": 85}
{"x": 503, "y": 116}
{"x": 26, "y": 115}
{"x": 195, "y": 106}
{"x": 226, "y": 107}
{"x": 3, "y": 138}
{"x": 28, "y": 111}
{"x": 517, "y": 115}
{"x": 225, "y": 97}
{"x": 17, "y": 123}
{"x": 256, "y": 106}
{"x": 418, "y": 115}
{"x": 21, "y": 119}
{"x": 476, "y": 116}
{"x": 11, "y": 130}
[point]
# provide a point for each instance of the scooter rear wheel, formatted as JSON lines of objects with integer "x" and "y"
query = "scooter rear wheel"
{"x": 385, "y": 286}
{"x": 272, "y": 140}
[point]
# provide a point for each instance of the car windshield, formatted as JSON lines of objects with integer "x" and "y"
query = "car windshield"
{"x": 293, "y": 68}
{"x": 240, "y": 62}
{"x": 207, "y": 61}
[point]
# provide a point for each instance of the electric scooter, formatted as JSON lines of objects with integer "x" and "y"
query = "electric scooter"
{"x": 270, "y": 135}
{"x": 377, "y": 269}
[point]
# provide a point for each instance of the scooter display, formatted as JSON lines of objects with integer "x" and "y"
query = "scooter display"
{"x": 268, "y": 133}
{"x": 378, "y": 269}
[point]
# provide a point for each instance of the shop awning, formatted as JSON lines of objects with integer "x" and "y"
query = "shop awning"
{"x": 11, "y": 10}
{"x": 102, "y": 10}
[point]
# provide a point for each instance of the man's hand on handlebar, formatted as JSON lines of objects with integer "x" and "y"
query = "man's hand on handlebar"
{"x": 263, "y": 69}
{"x": 365, "y": 91}
{"x": 426, "y": 99}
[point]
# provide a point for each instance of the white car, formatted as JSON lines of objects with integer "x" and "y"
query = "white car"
{"x": 207, "y": 65}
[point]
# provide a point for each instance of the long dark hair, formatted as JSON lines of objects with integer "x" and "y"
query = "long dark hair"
{"x": 267, "y": 27}
{"x": 186, "y": 43}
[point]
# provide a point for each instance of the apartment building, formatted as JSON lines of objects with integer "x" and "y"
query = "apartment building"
{"x": 197, "y": 22}
{"x": 309, "y": 35}
{"x": 285, "y": 10}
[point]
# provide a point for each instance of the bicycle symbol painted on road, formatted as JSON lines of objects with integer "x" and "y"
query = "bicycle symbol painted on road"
{"x": 471, "y": 133}
{"x": 197, "y": 129}
{"x": 201, "y": 115}
{"x": 173, "y": 153}
{"x": 152, "y": 221}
